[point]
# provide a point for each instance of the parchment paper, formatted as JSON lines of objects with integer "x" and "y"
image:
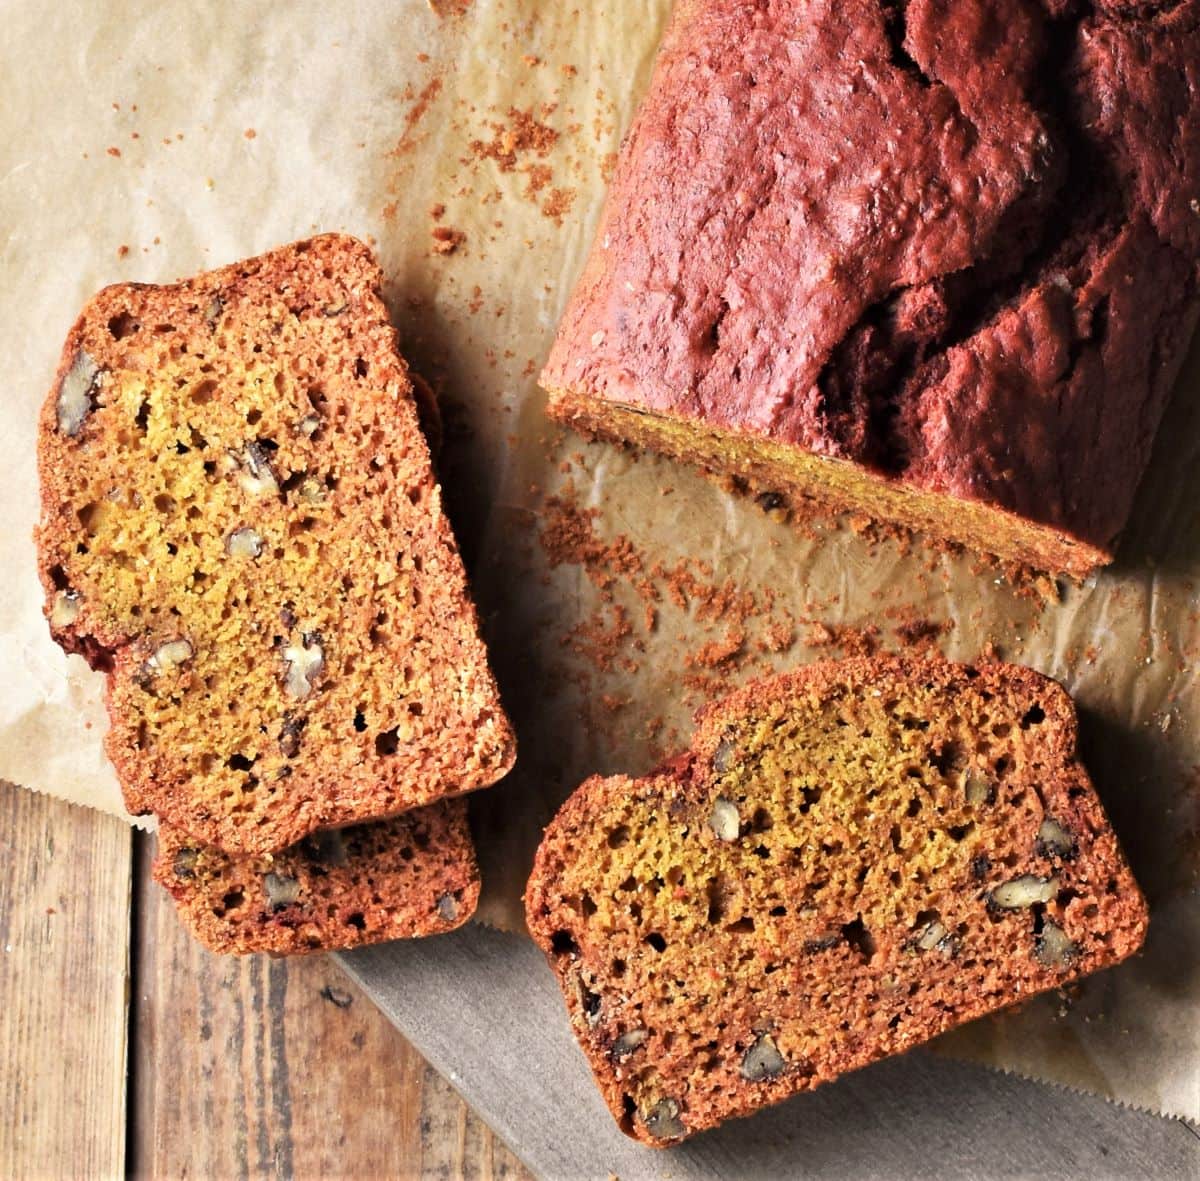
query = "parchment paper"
{"x": 145, "y": 143}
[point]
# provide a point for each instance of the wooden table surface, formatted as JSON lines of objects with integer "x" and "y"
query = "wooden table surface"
{"x": 125, "y": 1048}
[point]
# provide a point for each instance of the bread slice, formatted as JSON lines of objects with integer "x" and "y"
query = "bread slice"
{"x": 932, "y": 263}
{"x": 338, "y": 888}
{"x": 241, "y": 526}
{"x": 849, "y": 860}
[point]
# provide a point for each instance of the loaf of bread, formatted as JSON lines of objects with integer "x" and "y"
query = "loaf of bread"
{"x": 241, "y": 527}
{"x": 338, "y": 888}
{"x": 932, "y": 261}
{"x": 849, "y": 860}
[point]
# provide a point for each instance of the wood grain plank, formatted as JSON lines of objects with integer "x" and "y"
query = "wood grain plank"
{"x": 253, "y": 1067}
{"x": 64, "y": 948}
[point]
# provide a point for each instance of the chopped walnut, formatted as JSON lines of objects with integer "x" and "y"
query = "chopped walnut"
{"x": 65, "y": 608}
{"x": 724, "y": 820}
{"x": 1023, "y": 892}
{"x": 282, "y": 891}
{"x": 76, "y": 394}
{"x": 169, "y": 656}
{"x": 1052, "y": 948}
{"x": 662, "y": 1120}
{"x": 244, "y": 543}
{"x": 762, "y": 1060}
{"x": 304, "y": 663}
{"x": 628, "y": 1042}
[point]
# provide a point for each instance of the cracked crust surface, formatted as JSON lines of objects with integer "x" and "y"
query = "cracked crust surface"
{"x": 242, "y": 528}
{"x": 849, "y": 860}
{"x": 944, "y": 247}
{"x": 411, "y": 876}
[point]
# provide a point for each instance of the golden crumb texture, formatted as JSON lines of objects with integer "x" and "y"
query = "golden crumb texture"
{"x": 851, "y": 859}
{"x": 410, "y": 876}
{"x": 241, "y": 527}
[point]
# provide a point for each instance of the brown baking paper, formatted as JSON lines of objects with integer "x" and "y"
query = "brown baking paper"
{"x": 472, "y": 146}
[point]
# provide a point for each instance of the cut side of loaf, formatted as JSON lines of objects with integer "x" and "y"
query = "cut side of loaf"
{"x": 849, "y": 860}
{"x": 338, "y": 888}
{"x": 241, "y": 527}
{"x": 935, "y": 263}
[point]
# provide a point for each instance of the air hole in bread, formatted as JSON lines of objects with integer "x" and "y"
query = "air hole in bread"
{"x": 122, "y": 325}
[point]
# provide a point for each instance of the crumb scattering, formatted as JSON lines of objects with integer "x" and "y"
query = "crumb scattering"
{"x": 558, "y": 204}
{"x": 446, "y": 239}
{"x": 521, "y": 134}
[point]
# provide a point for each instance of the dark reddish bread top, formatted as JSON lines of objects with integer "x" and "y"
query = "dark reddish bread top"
{"x": 848, "y": 860}
{"x": 952, "y": 241}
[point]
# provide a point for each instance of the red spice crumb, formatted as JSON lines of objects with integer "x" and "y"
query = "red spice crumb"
{"x": 420, "y": 104}
{"x": 122, "y": 251}
{"x": 558, "y": 204}
{"x": 114, "y": 151}
{"x": 437, "y": 211}
{"x": 922, "y": 633}
{"x": 250, "y": 133}
{"x": 601, "y": 642}
{"x": 853, "y": 641}
{"x": 778, "y": 637}
{"x": 446, "y": 239}
{"x": 538, "y": 177}
{"x": 730, "y": 628}
{"x": 522, "y": 134}
{"x": 718, "y": 653}
{"x": 568, "y": 537}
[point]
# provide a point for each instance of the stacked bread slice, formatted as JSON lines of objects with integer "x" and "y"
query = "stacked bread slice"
{"x": 242, "y": 528}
